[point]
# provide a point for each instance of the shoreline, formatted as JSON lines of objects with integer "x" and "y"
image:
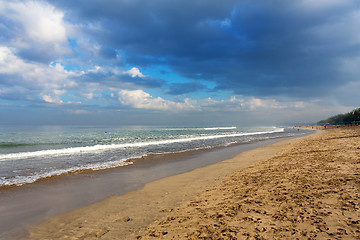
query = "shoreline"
{"x": 134, "y": 210}
{"x": 29, "y": 204}
{"x": 127, "y": 161}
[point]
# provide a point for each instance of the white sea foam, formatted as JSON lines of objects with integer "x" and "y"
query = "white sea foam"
{"x": 200, "y": 128}
{"x": 49, "y": 171}
{"x": 220, "y": 128}
{"x": 20, "y": 180}
{"x": 98, "y": 148}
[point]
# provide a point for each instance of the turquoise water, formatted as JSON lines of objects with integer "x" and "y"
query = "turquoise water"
{"x": 30, "y": 153}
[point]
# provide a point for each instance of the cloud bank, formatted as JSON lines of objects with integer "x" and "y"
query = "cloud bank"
{"x": 181, "y": 56}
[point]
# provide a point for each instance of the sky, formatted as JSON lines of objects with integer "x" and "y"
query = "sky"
{"x": 179, "y": 62}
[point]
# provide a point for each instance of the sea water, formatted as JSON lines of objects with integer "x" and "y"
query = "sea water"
{"x": 28, "y": 154}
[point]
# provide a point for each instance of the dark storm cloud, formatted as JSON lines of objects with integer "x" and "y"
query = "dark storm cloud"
{"x": 109, "y": 79}
{"x": 183, "y": 88}
{"x": 107, "y": 52}
{"x": 36, "y": 53}
{"x": 144, "y": 82}
{"x": 292, "y": 48}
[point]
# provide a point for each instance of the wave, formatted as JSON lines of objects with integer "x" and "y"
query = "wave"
{"x": 15, "y": 145}
{"x": 220, "y": 128}
{"x": 20, "y": 180}
{"x": 97, "y": 148}
{"x": 198, "y": 128}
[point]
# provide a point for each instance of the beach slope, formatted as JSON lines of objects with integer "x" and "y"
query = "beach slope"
{"x": 309, "y": 190}
{"x": 301, "y": 188}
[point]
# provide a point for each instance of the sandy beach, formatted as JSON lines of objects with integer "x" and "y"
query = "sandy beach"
{"x": 306, "y": 188}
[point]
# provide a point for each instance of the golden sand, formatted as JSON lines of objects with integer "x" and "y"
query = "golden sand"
{"x": 311, "y": 189}
{"x": 306, "y": 188}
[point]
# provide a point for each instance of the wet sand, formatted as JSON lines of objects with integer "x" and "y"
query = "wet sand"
{"x": 30, "y": 204}
{"x": 126, "y": 216}
{"x": 309, "y": 190}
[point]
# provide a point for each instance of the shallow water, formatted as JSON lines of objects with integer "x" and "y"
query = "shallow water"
{"x": 29, "y": 154}
{"x": 29, "y": 204}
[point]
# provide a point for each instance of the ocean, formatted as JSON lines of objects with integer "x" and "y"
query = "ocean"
{"x": 28, "y": 154}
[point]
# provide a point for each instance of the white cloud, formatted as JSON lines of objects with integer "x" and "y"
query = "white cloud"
{"x": 89, "y": 96}
{"x": 32, "y": 73}
{"x": 143, "y": 100}
{"x": 35, "y": 29}
{"x": 45, "y": 81}
{"x": 50, "y": 82}
{"x": 134, "y": 72}
{"x": 9, "y": 63}
{"x": 50, "y": 99}
{"x": 95, "y": 69}
{"x": 241, "y": 103}
{"x": 40, "y": 21}
{"x": 256, "y": 103}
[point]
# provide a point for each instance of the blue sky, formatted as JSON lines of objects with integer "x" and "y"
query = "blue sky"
{"x": 197, "y": 62}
